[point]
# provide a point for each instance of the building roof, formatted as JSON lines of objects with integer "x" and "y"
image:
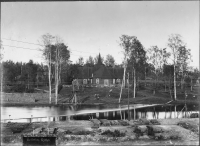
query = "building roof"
{"x": 103, "y": 73}
{"x": 85, "y": 72}
{"x": 100, "y": 71}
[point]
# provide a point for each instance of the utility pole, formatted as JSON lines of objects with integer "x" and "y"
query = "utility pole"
{"x": 128, "y": 99}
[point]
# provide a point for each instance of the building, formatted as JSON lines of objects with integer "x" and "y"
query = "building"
{"x": 100, "y": 75}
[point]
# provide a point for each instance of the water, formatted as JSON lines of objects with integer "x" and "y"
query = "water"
{"x": 86, "y": 112}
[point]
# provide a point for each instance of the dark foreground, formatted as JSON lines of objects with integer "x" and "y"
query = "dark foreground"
{"x": 115, "y": 132}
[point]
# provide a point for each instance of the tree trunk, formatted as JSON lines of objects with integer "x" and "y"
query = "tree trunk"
{"x": 56, "y": 77}
{"x": 191, "y": 84}
{"x": 170, "y": 87}
{"x": 145, "y": 84}
{"x": 123, "y": 82}
{"x": 134, "y": 87}
{"x": 174, "y": 82}
{"x": 165, "y": 85}
{"x": 28, "y": 80}
{"x": 49, "y": 66}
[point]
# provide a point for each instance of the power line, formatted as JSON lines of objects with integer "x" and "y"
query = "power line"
{"x": 38, "y": 50}
{"x": 22, "y": 47}
{"x": 43, "y": 45}
{"x": 23, "y": 42}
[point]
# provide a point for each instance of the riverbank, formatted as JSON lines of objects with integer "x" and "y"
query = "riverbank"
{"x": 115, "y": 132}
{"x": 107, "y": 95}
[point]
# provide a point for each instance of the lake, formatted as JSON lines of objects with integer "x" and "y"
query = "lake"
{"x": 86, "y": 112}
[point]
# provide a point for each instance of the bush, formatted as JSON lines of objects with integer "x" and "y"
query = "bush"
{"x": 115, "y": 133}
{"x": 123, "y": 123}
{"x": 154, "y": 122}
{"x": 105, "y": 122}
{"x": 83, "y": 132}
{"x": 68, "y": 132}
{"x": 188, "y": 126}
{"x": 144, "y": 121}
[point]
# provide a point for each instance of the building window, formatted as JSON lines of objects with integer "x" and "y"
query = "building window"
{"x": 106, "y": 82}
{"x": 97, "y": 81}
{"x": 113, "y": 81}
{"x": 84, "y": 81}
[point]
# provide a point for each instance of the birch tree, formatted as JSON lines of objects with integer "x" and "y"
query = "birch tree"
{"x": 174, "y": 43}
{"x": 134, "y": 54}
{"x": 62, "y": 55}
{"x": 47, "y": 40}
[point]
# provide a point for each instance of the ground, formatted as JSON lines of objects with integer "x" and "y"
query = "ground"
{"x": 87, "y": 96}
{"x": 173, "y": 132}
{"x": 80, "y": 132}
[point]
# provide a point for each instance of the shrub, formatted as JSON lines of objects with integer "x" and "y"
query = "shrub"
{"x": 154, "y": 122}
{"x": 123, "y": 123}
{"x": 116, "y": 133}
{"x": 83, "y": 133}
{"x": 68, "y": 132}
{"x": 188, "y": 126}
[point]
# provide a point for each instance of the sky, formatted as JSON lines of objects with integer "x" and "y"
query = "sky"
{"x": 92, "y": 27}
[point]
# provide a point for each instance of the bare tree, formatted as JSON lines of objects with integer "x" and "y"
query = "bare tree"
{"x": 174, "y": 43}
{"x": 61, "y": 56}
{"x": 134, "y": 54}
{"x": 47, "y": 40}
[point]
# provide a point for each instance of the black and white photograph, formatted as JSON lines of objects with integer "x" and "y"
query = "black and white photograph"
{"x": 99, "y": 73}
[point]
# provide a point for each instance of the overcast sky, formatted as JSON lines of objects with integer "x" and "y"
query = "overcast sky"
{"x": 93, "y": 27}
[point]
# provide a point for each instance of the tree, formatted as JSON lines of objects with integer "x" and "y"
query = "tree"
{"x": 184, "y": 56}
{"x": 110, "y": 61}
{"x": 80, "y": 61}
{"x": 134, "y": 55}
{"x": 1, "y": 67}
{"x": 61, "y": 56}
{"x": 168, "y": 71}
{"x": 165, "y": 56}
{"x": 90, "y": 62}
{"x": 31, "y": 71}
{"x": 174, "y": 43}
{"x": 156, "y": 58}
{"x": 47, "y": 40}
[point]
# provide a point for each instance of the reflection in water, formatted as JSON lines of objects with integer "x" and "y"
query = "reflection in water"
{"x": 78, "y": 112}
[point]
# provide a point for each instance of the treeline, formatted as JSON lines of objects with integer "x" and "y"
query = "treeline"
{"x": 167, "y": 64}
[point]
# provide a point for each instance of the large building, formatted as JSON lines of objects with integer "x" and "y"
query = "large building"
{"x": 100, "y": 75}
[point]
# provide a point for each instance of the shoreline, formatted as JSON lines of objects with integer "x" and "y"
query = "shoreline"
{"x": 5, "y": 104}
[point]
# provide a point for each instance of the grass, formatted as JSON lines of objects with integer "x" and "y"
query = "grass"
{"x": 87, "y": 96}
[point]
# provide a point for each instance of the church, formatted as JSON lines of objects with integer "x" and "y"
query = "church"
{"x": 100, "y": 75}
